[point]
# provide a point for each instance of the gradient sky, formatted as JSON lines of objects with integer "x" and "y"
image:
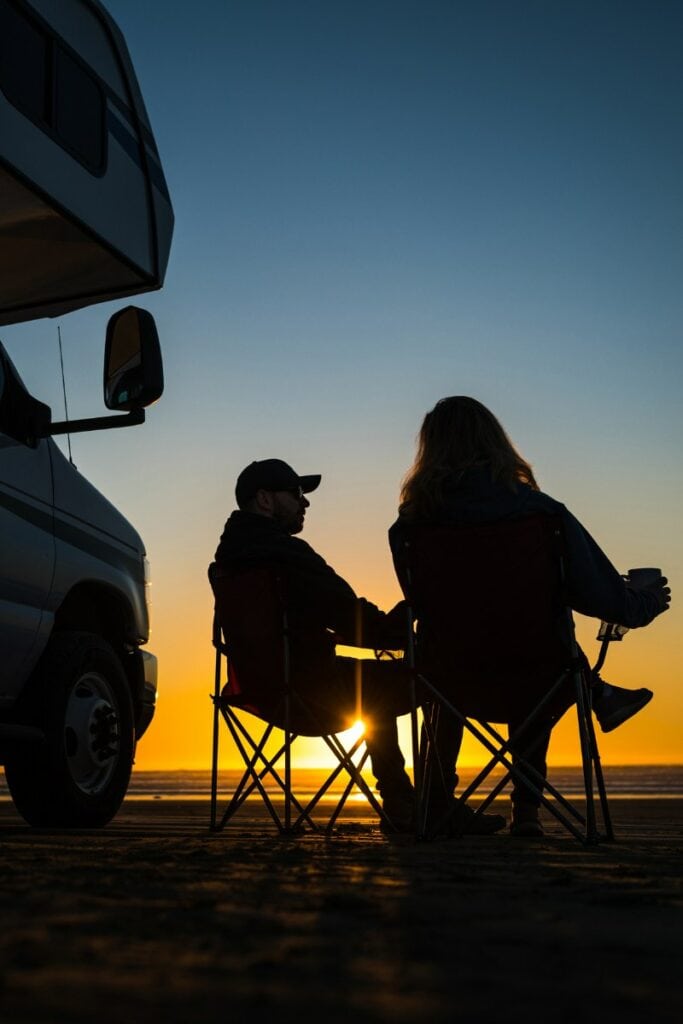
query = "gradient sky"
{"x": 379, "y": 204}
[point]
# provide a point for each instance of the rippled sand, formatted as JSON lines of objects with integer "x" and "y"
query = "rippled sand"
{"x": 154, "y": 919}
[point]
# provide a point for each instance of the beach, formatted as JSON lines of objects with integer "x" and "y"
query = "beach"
{"x": 154, "y": 918}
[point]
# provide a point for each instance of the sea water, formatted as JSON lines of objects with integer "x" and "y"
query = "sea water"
{"x": 625, "y": 781}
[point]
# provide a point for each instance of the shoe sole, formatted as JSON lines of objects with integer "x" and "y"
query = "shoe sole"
{"x": 528, "y": 830}
{"x": 486, "y": 827}
{"x": 397, "y": 828}
{"x": 618, "y": 718}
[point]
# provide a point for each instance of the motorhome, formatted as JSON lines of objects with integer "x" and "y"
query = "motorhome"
{"x": 85, "y": 217}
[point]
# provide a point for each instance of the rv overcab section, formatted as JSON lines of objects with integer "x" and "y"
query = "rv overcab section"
{"x": 85, "y": 214}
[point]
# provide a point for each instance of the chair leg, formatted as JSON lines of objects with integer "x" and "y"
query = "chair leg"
{"x": 288, "y": 766}
{"x": 514, "y": 769}
{"x": 214, "y": 744}
{"x": 347, "y": 764}
{"x": 418, "y": 773}
{"x": 250, "y": 762}
{"x": 600, "y": 781}
{"x": 528, "y": 769}
{"x": 345, "y": 795}
{"x": 430, "y": 760}
{"x": 214, "y": 766}
{"x": 259, "y": 767}
{"x": 241, "y": 794}
{"x": 288, "y": 783}
{"x": 521, "y": 771}
{"x": 342, "y": 765}
{"x": 525, "y": 773}
{"x": 242, "y": 790}
{"x": 355, "y": 772}
{"x": 583, "y": 712}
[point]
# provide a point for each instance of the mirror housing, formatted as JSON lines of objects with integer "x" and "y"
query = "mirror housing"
{"x": 22, "y": 417}
{"x": 133, "y": 369}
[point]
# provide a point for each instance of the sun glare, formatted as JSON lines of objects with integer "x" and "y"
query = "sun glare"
{"x": 356, "y": 730}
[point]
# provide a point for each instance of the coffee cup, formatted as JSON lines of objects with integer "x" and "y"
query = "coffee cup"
{"x": 644, "y": 577}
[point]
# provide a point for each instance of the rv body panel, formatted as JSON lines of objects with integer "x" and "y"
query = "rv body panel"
{"x": 96, "y": 547}
{"x": 27, "y": 555}
{"x": 86, "y": 185}
{"x": 64, "y": 551}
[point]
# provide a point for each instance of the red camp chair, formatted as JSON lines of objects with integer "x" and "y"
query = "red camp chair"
{"x": 496, "y": 643}
{"x": 250, "y": 631}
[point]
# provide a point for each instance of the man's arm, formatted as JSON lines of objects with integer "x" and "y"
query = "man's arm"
{"x": 322, "y": 596}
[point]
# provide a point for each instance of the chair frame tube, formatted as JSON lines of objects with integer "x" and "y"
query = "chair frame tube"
{"x": 295, "y": 816}
{"x": 520, "y": 771}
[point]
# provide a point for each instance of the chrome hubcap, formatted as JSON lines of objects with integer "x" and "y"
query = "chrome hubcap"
{"x": 92, "y": 739}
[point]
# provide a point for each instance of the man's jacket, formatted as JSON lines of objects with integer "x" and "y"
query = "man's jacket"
{"x": 322, "y": 608}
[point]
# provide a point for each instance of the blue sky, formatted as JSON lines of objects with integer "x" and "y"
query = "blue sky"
{"x": 379, "y": 204}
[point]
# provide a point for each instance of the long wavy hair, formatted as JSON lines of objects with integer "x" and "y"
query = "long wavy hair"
{"x": 456, "y": 435}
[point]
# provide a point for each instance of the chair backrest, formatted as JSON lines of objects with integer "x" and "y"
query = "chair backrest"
{"x": 250, "y": 629}
{"x": 488, "y": 599}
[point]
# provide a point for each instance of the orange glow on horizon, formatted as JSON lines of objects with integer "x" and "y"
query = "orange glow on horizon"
{"x": 180, "y": 735}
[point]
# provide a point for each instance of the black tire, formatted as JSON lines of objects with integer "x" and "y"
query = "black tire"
{"x": 79, "y": 776}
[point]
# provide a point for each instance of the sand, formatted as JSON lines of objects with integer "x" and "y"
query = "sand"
{"x": 154, "y": 919}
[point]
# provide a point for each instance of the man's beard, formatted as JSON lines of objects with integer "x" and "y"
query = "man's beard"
{"x": 290, "y": 521}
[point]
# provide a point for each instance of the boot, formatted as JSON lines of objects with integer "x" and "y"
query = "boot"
{"x": 398, "y": 803}
{"x": 452, "y": 818}
{"x": 526, "y": 822}
{"x": 614, "y": 705}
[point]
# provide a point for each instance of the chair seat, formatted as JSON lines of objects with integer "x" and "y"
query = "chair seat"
{"x": 500, "y": 696}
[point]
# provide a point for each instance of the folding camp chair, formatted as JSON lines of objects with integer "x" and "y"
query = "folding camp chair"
{"x": 496, "y": 643}
{"x": 250, "y": 630}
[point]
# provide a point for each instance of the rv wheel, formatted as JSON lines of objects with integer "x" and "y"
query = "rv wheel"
{"x": 79, "y": 776}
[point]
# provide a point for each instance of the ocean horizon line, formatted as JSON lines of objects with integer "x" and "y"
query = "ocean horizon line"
{"x": 622, "y": 782}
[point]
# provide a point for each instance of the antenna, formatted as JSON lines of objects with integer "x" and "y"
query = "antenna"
{"x": 66, "y": 405}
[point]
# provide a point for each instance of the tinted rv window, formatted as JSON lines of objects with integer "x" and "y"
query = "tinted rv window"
{"x": 24, "y": 59}
{"x": 41, "y": 78}
{"x": 79, "y": 110}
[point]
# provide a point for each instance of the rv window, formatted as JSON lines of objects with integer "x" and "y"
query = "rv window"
{"x": 41, "y": 78}
{"x": 23, "y": 63}
{"x": 79, "y": 111}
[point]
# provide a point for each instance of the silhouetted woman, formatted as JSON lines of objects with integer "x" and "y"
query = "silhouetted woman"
{"x": 467, "y": 471}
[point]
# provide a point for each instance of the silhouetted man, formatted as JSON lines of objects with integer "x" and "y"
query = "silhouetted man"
{"x": 323, "y": 610}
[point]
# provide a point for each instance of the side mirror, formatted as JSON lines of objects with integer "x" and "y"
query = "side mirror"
{"x": 133, "y": 370}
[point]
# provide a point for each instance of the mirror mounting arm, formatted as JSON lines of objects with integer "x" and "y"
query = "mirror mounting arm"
{"x": 133, "y": 418}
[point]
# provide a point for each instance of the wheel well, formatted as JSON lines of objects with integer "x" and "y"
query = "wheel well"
{"x": 96, "y": 609}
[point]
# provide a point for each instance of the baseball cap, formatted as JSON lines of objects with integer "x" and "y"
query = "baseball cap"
{"x": 271, "y": 475}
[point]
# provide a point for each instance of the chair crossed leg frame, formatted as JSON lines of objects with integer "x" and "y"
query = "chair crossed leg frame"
{"x": 259, "y": 767}
{"x": 583, "y": 827}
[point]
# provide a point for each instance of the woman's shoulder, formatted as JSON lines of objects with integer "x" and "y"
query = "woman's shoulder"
{"x": 539, "y": 501}
{"x": 498, "y": 502}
